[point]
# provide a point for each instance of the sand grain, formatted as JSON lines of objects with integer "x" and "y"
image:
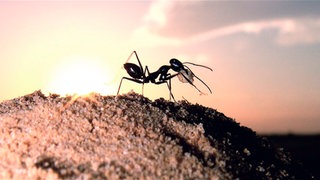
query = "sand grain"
{"x": 130, "y": 136}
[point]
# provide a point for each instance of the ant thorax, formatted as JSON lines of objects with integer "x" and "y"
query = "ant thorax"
{"x": 185, "y": 76}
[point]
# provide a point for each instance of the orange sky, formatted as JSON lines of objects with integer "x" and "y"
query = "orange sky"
{"x": 266, "y": 62}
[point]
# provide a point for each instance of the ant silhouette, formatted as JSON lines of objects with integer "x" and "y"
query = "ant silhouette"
{"x": 142, "y": 76}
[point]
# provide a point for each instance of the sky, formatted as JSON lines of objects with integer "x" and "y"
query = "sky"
{"x": 264, "y": 54}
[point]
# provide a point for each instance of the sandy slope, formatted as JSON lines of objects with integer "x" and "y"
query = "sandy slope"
{"x": 131, "y": 136}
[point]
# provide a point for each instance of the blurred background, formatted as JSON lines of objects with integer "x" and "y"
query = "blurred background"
{"x": 264, "y": 55}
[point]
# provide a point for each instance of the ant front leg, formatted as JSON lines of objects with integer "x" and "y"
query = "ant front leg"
{"x": 165, "y": 79}
{"x": 169, "y": 87}
{"x": 130, "y": 79}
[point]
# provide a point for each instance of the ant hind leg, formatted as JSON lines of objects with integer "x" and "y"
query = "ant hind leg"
{"x": 130, "y": 79}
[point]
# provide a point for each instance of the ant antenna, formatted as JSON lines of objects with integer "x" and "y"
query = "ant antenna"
{"x": 197, "y": 65}
{"x": 190, "y": 82}
{"x": 197, "y": 78}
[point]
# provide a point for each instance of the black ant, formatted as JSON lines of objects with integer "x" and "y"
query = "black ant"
{"x": 141, "y": 76}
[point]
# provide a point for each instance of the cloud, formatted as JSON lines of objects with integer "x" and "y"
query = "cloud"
{"x": 305, "y": 31}
{"x": 254, "y": 27}
{"x": 156, "y": 15}
{"x": 144, "y": 37}
{"x": 288, "y": 31}
{"x": 155, "y": 18}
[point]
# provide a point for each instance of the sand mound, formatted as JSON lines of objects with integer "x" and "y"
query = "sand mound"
{"x": 130, "y": 136}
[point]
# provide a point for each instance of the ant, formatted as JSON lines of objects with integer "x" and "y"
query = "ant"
{"x": 142, "y": 76}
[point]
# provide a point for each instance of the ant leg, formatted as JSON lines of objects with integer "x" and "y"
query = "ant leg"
{"x": 135, "y": 53}
{"x": 146, "y": 73}
{"x": 170, "y": 92}
{"x": 141, "y": 68}
{"x": 142, "y": 88}
{"x": 168, "y": 84}
{"x": 129, "y": 56}
{"x": 169, "y": 87}
{"x": 146, "y": 70}
{"x": 130, "y": 79}
{"x": 165, "y": 79}
{"x": 119, "y": 86}
{"x": 138, "y": 60}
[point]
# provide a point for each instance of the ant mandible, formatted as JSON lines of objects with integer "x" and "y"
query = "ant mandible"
{"x": 141, "y": 76}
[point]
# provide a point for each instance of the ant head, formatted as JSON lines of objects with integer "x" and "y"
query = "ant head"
{"x": 176, "y": 65}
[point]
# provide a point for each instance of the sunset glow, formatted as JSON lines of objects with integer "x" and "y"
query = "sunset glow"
{"x": 78, "y": 76}
{"x": 264, "y": 55}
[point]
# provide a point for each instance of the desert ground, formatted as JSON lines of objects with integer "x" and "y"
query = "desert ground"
{"x": 130, "y": 136}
